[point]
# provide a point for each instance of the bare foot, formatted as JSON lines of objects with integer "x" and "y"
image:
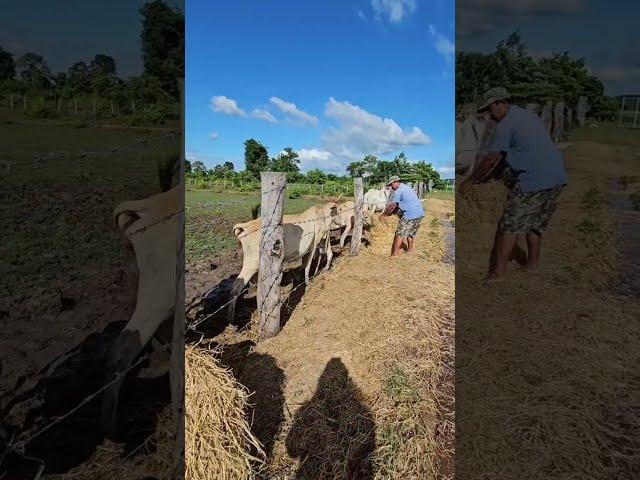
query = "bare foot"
{"x": 492, "y": 278}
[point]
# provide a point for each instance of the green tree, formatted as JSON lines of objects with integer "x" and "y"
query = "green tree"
{"x": 356, "y": 169}
{"x": 316, "y": 176}
{"x": 163, "y": 44}
{"x": 287, "y": 161}
{"x": 79, "y": 78}
{"x": 7, "y": 65}
{"x": 256, "y": 158}
{"x": 33, "y": 71}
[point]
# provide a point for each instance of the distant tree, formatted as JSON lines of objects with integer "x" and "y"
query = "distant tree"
{"x": 7, "y": 65}
{"x": 187, "y": 166}
{"x": 256, "y": 158}
{"x": 198, "y": 168}
{"x": 316, "y": 176}
{"x": 163, "y": 43}
{"x": 287, "y": 161}
{"x": 356, "y": 169}
{"x": 79, "y": 78}
{"x": 229, "y": 166}
{"x": 102, "y": 65}
{"x": 33, "y": 71}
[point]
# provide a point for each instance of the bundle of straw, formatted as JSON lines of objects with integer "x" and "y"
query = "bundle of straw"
{"x": 218, "y": 440}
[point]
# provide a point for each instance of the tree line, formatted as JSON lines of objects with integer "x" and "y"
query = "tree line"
{"x": 530, "y": 80}
{"x": 374, "y": 170}
{"x": 162, "y": 51}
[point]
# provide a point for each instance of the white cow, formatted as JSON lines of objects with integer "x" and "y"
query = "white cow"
{"x": 469, "y": 139}
{"x": 303, "y": 233}
{"x": 376, "y": 199}
{"x": 152, "y": 228}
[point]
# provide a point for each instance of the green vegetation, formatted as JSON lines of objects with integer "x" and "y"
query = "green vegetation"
{"x": 559, "y": 77}
{"x": 93, "y": 90}
{"x": 256, "y": 160}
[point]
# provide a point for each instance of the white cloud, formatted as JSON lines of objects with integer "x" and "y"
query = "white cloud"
{"x": 394, "y": 10}
{"x": 292, "y": 111}
{"x": 214, "y": 135}
{"x": 322, "y": 159}
{"x": 226, "y": 105}
{"x": 446, "y": 172}
{"x": 361, "y": 15}
{"x": 263, "y": 115}
{"x": 442, "y": 44}
{"x": 361, "y": 133}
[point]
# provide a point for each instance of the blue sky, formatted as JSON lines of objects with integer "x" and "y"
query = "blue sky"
{"x": 67, "y": 31}
{"x": 602, "y": 32}
{"x": 334, "y": 80}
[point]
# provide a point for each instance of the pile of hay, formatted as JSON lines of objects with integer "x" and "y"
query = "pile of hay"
{"x": 382, "y": 233}
{"x": 152, "y": 459}
{"x": 218, "y": 440}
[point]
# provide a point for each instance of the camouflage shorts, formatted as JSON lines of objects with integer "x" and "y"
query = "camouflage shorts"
{"x": 527, "y": 212}
{"x": 408, "y": 228}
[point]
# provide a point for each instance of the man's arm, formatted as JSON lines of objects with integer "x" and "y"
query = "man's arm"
{"x": 389, "y": 209}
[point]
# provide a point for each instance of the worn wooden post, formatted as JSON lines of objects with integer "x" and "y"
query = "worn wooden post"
{"x": 581, "y": 110}
{"x": 75, "y": 106}
{"x": 11, "y": 101}
{"x": 558, "y": 122}
{"x": 113, "y": 111}
{"x": 59, "y": 108}
{"x": 271, "y": 253}
{"x": 547, "y": 115}
{"x": 356, "y": 235}
{"x": 569, "y": 120}
{"x": 24, "y": 102}
{"x": 176, "y": 372}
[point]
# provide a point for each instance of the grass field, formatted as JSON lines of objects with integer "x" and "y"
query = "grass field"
{"x": 210, "y": 217}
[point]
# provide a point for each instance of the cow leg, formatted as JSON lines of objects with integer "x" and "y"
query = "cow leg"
{"x": 307, "y": 268}
{"x": 318, "y": 264}
{"x": 126, "y": 348}
{"x": 344, "y": 235}
{"x": 329, "y": 254}
{"x": 243, "y": 278}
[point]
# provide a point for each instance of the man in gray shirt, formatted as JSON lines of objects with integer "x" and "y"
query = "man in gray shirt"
{"x": 537, "y": 175}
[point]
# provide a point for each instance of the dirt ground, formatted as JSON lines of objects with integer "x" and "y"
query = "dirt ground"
{"x": 546, "y": 360}
{"x": 359, "y": 359}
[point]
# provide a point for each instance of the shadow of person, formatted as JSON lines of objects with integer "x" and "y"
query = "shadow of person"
{"x": 265, "y": 380}
{"x": 333, "y": 435}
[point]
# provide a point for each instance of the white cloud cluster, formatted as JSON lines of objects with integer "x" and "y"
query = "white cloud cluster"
{"x": 442, "y": 44}
{"x": 262, "y": 114}
{"x": 322, "y": 159}
{"x": 293, "y": 112}
{"x": 228, "y": 106}
{"x": 360, "y": 132}
{"x": 394, "y": 10}
{"x": 214, "y": 135}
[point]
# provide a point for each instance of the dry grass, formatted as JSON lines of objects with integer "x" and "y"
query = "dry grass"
{"x": 151, "y": 459}
{"x": 218, "y": 440}
{"x": 548, "y": 363}
{"x": 369, "y": 381}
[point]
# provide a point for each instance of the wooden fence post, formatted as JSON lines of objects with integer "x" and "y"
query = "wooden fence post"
{"x": 11, "y": 101}
{"x": 558, "y": 122}
{"x": 75, "y": 106}
{"x": 59, "y": 104}
{"x": 581, "y": 110}
{"x": 547, "y": 116}
{"x": 176, "y": 372}
{"x": 24, "y": 102}
{"x": 356, "y": 235}
{"x": 271, "y": 253}
{"x": 113, "y": 112}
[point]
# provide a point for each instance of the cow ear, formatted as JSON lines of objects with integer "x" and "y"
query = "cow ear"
{"x": 125, "y": 219}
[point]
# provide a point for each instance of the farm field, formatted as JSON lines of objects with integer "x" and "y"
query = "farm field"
{"x": 65, "y": 273}
{"x": 570, "y": 330}
{"x": 367, "y": 382}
